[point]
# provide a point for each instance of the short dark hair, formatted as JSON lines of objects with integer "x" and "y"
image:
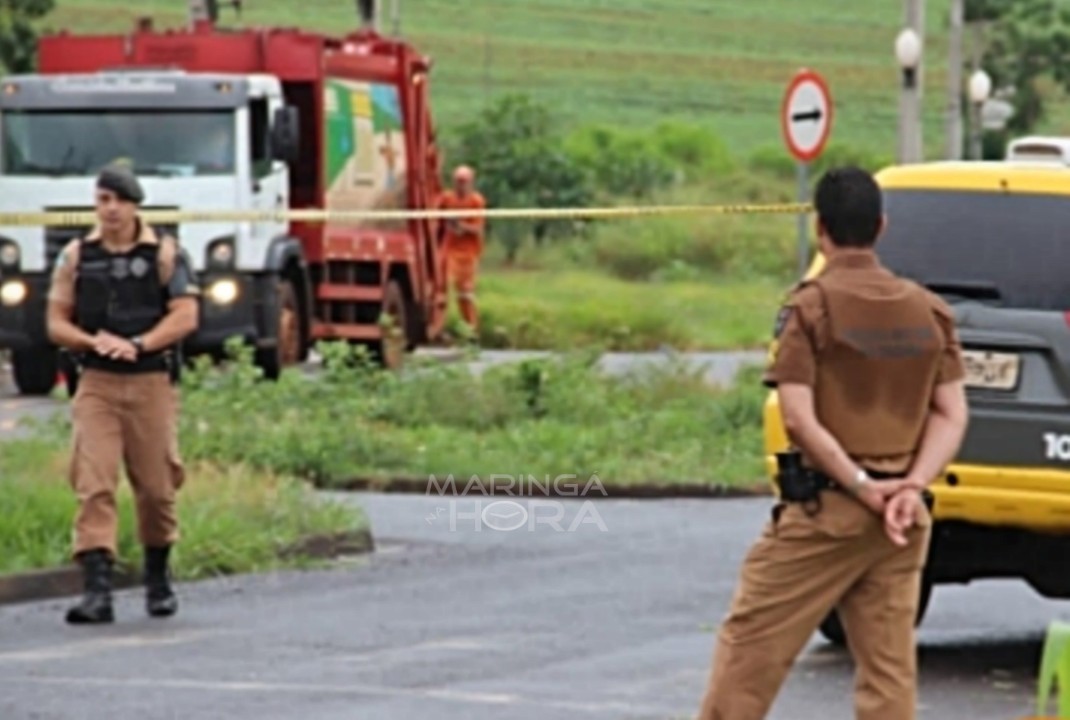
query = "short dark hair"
{"x": 850, "y": 207}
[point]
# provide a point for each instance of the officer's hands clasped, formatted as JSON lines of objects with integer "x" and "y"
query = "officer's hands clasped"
{"x": 114, "y": 347}
{"x": 896, "y": 501}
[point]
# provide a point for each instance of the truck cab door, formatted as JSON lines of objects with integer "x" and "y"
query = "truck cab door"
{"x": 269, "y": 177}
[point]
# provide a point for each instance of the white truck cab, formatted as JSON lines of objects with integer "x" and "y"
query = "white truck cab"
{"x": 198, "y": 141}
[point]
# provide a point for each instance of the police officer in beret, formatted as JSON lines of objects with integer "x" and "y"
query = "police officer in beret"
{"x": 121, "y": 300}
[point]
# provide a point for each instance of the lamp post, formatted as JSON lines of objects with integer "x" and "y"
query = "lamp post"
{"x": 908, "y": 55}
{"x": 980, "y": 89}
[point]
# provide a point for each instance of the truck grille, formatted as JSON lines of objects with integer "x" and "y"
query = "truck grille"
{"x": 57, "y": 236}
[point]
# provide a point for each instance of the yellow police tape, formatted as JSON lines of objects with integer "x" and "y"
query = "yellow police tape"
{"x": 311, "y": 215}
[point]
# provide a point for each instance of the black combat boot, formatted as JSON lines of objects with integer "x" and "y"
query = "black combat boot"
{"x": 160, "y": 600}
{"x": 95, "y": 606}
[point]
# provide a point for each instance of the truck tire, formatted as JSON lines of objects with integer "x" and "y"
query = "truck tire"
{"x": 35, "y": 370}
{"x": 833, "y": 631}
{"x": 390, "y": 351}
{"x": 287, "y": 350}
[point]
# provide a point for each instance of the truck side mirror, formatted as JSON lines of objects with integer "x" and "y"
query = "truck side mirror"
{"x": 286, "y": 135}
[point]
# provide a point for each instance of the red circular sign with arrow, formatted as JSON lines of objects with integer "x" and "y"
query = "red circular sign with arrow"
{"x": 806, "y": 115}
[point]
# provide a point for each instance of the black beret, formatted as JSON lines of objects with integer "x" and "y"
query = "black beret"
{"x": 122, "y": 182}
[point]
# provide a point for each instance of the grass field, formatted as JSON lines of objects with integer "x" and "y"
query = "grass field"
{"x": 233, "y": 519}
{"x": 544, "y": 310}
{"x": 721, "y": 63}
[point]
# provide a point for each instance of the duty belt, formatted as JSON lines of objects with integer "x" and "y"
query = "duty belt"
{"x": 824, "y": 482}
{"x": 804, "y": 485}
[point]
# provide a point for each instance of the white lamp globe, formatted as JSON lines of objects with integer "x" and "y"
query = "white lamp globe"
{"x": 980, "y": 86}
{"x": 908, "y": 49}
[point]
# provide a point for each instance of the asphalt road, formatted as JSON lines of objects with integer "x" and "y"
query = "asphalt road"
{"x": 451, "y": 619}
{"x": 718, "y": 367}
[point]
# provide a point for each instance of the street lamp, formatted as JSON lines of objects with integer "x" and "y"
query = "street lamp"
{"x": 908, "y": 55}
{"x": 980, "y": 89}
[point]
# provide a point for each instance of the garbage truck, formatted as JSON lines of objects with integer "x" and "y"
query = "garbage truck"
{"x": 257, "y": 119}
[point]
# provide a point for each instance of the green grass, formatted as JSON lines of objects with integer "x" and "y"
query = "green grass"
{"x": 720, "y": 63}
{"x": 694, "y": 282}
{"x": 233, "y": 519}
{"x": 541, "y": 309}
{"x": 538, "y": 417}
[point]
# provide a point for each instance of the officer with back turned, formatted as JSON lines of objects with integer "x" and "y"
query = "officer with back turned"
{"x": 868, "y": 370}
{"x": 121, "y": 300}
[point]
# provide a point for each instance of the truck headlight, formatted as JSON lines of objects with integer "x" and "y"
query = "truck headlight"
{"x": 221, "y": 253}
{"x": 12, "y": 292}
{"x": 9, "y": 254}
{"x": 223, "y": 292}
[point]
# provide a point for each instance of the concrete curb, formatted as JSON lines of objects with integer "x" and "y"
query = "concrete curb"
{"x": 647, "y": 491}
{"x": 66, "y": 581}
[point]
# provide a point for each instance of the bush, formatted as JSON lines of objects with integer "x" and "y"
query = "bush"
{"x": 515, "y": 147}
{"x": 695, "y": 150}
{"x": 232, "y": 518}
{"x": 700, "y": 245}
{"x": 546, "y": 416}
{"x": 621, "y": 163}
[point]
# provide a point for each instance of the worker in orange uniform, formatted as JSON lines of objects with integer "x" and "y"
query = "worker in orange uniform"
{"x": 462, "y": 241}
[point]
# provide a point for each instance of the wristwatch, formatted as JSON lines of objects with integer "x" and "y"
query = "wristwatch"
{"x": 138, "y": 345}
{"x": 862, "y": 479}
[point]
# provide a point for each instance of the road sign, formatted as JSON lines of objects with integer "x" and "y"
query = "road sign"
{"x": 806, "y": 115}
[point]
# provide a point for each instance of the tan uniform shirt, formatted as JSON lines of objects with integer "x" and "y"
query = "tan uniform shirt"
{"x": 894, "y": 351}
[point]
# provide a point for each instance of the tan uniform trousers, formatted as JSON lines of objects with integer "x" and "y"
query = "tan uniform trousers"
{"x": 129, "y": 419}
{"x": 801, "y": 568}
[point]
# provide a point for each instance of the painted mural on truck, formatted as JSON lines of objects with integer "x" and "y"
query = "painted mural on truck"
{"x": 366, "y": 161}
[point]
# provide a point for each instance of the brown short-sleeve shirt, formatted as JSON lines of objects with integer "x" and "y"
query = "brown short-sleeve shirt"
{"x": 952, "y": 367}
{"x": 802, "y": 330}
{"x": 61, "y": 289}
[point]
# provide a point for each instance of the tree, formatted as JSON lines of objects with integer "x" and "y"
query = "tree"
{"x": 517, "y": 151}
{"x": 985, "y": 10}
{"x": 18, "y": 37}
{"x": 1029, "y": 40}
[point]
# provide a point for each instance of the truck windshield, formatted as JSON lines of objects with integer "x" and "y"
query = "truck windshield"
{"x": 80, "y": 143}
{"x": 1011, "y": 249}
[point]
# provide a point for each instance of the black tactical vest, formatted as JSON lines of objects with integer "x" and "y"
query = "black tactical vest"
{"x": 120, "y": 293}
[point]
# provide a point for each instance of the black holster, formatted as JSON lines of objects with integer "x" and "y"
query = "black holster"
{"x": 795, "y": 482}
{"x": 798, "y": 484}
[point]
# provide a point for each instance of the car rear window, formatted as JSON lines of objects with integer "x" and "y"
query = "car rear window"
{"x": 1020, "y": 244}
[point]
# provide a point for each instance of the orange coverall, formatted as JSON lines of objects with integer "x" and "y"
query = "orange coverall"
{"x": 462, "y": 241}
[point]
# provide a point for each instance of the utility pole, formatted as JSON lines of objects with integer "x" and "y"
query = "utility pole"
{"x": 915, "y": 18}
{"x": 954, "y": 82}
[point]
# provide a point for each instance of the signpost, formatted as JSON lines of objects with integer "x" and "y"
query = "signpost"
{"x": 806, "y": 120}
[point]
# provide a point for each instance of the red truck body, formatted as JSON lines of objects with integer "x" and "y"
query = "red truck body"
{"x": 351, "y": 266}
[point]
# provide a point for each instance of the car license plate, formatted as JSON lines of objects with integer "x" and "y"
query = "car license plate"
{"x": 991, "y": 370}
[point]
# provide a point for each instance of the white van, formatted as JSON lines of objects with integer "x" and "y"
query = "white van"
{"x": 1040, "y": 149}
